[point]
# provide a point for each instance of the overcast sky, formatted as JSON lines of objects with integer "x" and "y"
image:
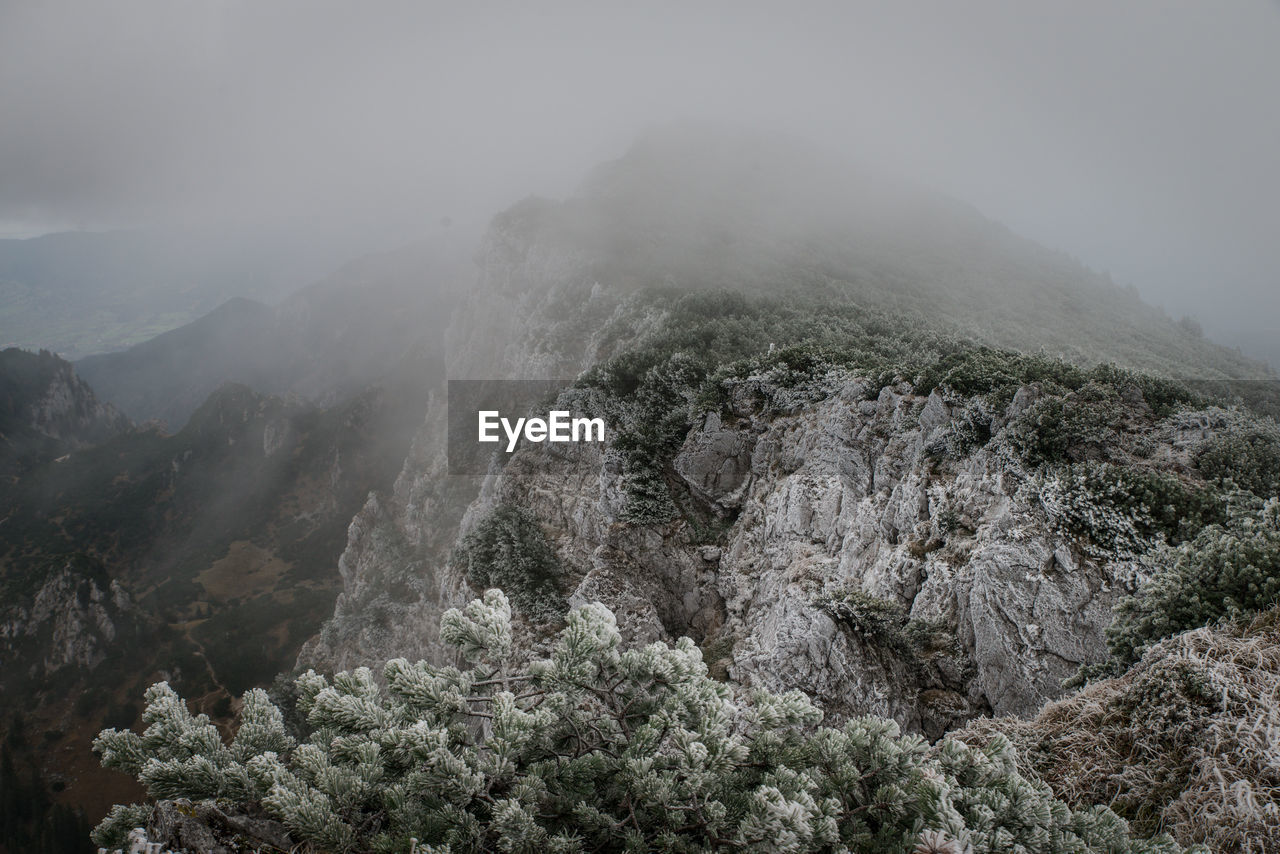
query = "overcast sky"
{"x": 1142, "y": 137}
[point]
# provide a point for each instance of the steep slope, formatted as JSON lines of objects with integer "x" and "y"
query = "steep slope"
{"x": 205, "y": 557}
{"x": 46, "y": 410}
{"x": 717, "y": 247}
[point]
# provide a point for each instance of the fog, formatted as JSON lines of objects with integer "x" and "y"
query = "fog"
{"x": 1139, "y": 137}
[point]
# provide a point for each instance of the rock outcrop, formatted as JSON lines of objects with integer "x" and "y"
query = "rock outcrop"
{"x": 845, "y": 494}
{"x": 73, "y": 619}
{"x": 46, "y": 411}
{"x": 793, "y": 512}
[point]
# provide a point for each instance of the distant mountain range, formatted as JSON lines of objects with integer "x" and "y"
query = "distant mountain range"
{"x": 324, "y": 342}
{"x": 78, "y": 293}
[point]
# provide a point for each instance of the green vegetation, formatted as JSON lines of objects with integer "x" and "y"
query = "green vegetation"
{"x": 596, "y": 748}
{"x": 1076, "y": 426}
{"x": 1229, "y": 571}
{"x": 509, "y": 549}
{"x": 1124, "y": 510}
{"x": 1246, "y": 455}
{"x": 883, "y": 622}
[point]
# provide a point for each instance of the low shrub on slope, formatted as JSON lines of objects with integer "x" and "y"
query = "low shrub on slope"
{"x": 1187, "y": 741}
{"x": 596, "y": 748}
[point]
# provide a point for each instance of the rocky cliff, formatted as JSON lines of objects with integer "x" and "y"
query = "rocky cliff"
{"x": 46, "y": 410}
{"x": 873, "y": 535}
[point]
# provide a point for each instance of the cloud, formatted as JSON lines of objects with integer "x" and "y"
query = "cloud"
{"x": 1138, "y": 136}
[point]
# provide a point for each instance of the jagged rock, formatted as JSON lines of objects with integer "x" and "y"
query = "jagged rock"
{"x": 716, "y": 463}
{"x": 205, "y": 828}
{"x": 839, "y": 493}
{"x": 935, "y": 413}
{"x": 1023, "y": 398}
{"x": 74, "y": 616}
{"x": 1029, "y": 624}
{"x": 276, "y": 434}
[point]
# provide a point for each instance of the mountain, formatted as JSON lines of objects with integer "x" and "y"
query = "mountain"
{"x": 47, "y": 411}
{"x": 722, "y": 247}
{"x": 324, "y": 342}
{"x": 862, "y": 442}
{"x": 829, "y": 464}
{"x": 78, "y": 293}
{"x": 204, "y": 558}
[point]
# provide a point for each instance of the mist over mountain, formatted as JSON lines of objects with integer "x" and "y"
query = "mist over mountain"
{"x": 700, "y": 205}
{"x": 78, "y": 293}
{"x": 937, "y": 507}
{"x": 862, "y": 439}
{"x": 324, "y": 342}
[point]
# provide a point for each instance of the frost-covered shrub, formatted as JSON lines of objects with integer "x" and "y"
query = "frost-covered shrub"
{"x": 648, "y": 498}
{"x": 1060, "y": 429}
{"x": 883, "y": 622}
{"x": 1084, "y": 502}
{"x": 969, "y": 428}
{"x": 1247, "y": 456}
{"x": 648, "y": 398}
{"x": 112, "y": 833}
{"x": 1185, "y": 741}
{"x": 1123, "y": 510}
{"x": 997, "y": 373}
{"x": 1227, "y": 571}
{"x": 597, "y": 748}
{"x": 508, "y": 549}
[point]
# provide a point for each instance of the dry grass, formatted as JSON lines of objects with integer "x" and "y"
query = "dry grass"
{"x": 246, "y": 570}
{"x": 1187, "y": 742}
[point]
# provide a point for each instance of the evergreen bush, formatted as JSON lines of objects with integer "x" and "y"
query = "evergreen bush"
{"x": 1246, "y": 456}
{"x": 1229, "y": 571}
{"x": 595, "y": 748}
{"x": 508, "y": 549}
{"x": 1059, "y": 429}
{"x": 1126, "y": 510}
{"x": 883, "y": 622}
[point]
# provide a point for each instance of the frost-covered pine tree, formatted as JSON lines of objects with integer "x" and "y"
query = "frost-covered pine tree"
{"x": 596, "y": 748}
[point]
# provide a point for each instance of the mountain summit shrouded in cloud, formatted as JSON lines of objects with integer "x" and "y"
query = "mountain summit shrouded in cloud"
{"x": 1138, "y": 138}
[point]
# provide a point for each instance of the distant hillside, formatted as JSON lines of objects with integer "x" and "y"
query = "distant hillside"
{"x": 324, "y": 342}
{"x": 204, "y": 558}
{"x": 47, "y": 411}
{"x": 78, "y": 293}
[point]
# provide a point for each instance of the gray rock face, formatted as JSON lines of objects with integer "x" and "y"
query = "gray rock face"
{"x": 74, "y": 617}
{"x": 181, "y": 825}
{"x": 69, "y": 411}
{"x": 841, "y": 495}
{"x": 716, "y": 463}
{"x": 935, "y": 413}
